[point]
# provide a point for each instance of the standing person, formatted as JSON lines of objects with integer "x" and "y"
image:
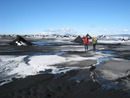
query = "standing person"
{"x": 94, "y": 41}
{"x": 86, "y": 42}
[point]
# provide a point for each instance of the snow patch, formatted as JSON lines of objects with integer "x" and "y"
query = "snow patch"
{"x": 15, "y": 66}
{"x": 21, "y": 43}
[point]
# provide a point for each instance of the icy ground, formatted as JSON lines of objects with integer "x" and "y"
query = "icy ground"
{"x": 22, "y": 66}
{"x": 109, "y": 68}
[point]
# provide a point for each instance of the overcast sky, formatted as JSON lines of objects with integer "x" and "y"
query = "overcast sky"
{"x": 82, "y": 16}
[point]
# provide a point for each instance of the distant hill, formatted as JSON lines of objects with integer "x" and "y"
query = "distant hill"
{"x": 119, "y": 35}
{"x": 122, "y": 35}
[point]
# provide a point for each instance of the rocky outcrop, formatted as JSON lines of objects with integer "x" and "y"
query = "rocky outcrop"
{"x": 78, "y": 40}
{"x": 20, "y": 41}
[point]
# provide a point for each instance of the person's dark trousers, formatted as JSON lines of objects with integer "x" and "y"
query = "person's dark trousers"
{"x": 94, "y": 46}
{"x": 86, "y": 47}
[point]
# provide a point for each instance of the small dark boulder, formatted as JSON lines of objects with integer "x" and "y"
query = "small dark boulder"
{"x": 92, "y": 68}
{"x": 78, "y": 40}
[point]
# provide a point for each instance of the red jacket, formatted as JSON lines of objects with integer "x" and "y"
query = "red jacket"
{"x": 85, "y": 41}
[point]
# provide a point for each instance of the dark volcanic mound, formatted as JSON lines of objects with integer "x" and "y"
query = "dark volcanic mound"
{"x": 78, "y": 40}
{"x": 20, "y": 41}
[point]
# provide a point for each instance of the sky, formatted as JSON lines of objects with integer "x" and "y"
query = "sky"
{"x": 95, "y": 17}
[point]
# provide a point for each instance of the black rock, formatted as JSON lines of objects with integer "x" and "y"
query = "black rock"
{"x": 78, "y": 40}
{"x": 92, "y": 68}
{"x": 20, "y": 41}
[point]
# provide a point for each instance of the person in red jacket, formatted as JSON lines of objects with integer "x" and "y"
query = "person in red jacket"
{"x": 86, "y": 42}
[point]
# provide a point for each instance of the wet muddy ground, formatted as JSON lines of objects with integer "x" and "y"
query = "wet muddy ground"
{"x": 79, "y": 83}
